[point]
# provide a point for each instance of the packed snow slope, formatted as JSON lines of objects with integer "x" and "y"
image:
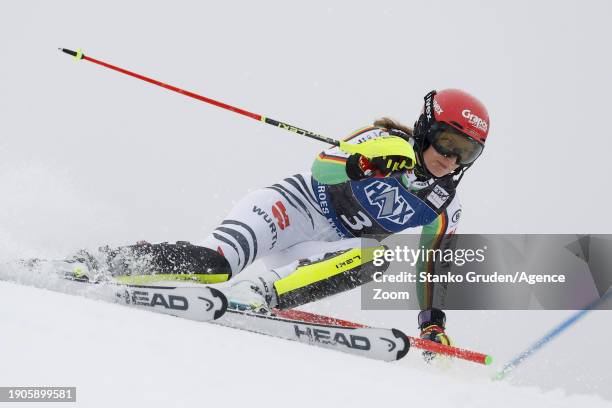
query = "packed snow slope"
{"x": 117, "y": 356}
{"x": 89, "y": 157}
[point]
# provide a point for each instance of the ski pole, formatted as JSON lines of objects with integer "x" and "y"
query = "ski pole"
{"x": 451, "y": 351}
{"x": 423, "y": 344}
{"x": 366, "y": 149}
{"x": 78, "y": 55}
{"x": 560, "y": 328}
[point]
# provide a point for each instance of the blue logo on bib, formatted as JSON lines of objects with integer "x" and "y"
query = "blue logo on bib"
{"x": 391, "y": 204}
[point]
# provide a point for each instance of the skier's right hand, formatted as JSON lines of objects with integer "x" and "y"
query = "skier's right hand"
{"x": 389, "y": 164}
{"x": 359, "y": 167}
{"x": 379, "y": 157}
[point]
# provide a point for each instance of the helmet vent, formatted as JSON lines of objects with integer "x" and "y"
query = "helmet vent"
{"x": 457, "y": 124}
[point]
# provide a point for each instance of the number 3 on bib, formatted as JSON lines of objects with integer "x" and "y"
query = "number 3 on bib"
{"x": 358, "y": 221}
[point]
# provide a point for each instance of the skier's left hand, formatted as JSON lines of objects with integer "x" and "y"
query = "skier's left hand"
{"x": 432, "y": 323}
{"x": 437, "y": 334}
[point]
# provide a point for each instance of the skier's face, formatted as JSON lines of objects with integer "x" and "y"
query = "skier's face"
{"x": 437, "y": 164}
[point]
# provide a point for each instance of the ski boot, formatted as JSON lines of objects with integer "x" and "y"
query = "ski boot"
{"x": 256, "y": 295}
{"x": 81, "y": 267}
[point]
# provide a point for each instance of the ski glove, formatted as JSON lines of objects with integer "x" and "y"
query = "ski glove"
{"x": 379, "y": 157}
{"x": 432, "y": 324}
{"x": 358, "y": 167}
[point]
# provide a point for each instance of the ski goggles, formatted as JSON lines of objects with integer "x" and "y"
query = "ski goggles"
{"x": 450, "y": 142}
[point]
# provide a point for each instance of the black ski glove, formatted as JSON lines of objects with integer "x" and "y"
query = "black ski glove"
{"x": 359, "y": 167}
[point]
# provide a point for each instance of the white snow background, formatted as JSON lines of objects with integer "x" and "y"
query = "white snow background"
{"x": 89, "y": 157}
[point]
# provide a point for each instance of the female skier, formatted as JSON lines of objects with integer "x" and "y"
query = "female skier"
{"x": 408, "y": 180}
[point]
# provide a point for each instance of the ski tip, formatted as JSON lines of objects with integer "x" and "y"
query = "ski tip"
{"x": 218, "y": 294}
{"x": 488, "y": 360}
{"x": 401, "y": 353}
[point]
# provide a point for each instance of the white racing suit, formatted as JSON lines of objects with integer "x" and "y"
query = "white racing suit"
{"x": 305, "y": 217}
{"x": 269, "y": 221}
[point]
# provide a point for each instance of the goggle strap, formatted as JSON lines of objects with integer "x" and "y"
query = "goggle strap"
{"x": 430, "y": 118}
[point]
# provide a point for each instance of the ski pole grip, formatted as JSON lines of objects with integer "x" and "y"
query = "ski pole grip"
{"x": 78, "y": 54}
{"x": 69, "y": 52}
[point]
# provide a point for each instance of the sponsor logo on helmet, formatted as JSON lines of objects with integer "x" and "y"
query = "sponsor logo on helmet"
{"x": 477, "y": 122}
